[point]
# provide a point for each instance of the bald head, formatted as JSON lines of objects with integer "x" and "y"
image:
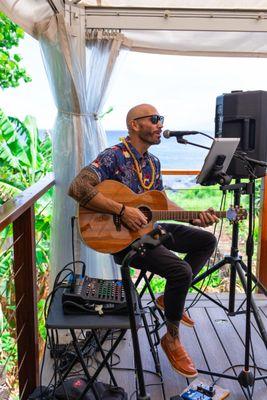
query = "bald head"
{"x": 141, "y": 110}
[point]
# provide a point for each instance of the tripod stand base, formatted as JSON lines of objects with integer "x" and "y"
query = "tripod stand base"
{"x": 246, "y": 378}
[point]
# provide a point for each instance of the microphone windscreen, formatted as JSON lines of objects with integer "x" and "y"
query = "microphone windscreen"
{"x": 166, "y": 134}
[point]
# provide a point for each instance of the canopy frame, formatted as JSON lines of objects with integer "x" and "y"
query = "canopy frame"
{"x": 176, "y": 19}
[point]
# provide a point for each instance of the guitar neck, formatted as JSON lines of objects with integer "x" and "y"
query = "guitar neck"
{"x": 182, "y": 215}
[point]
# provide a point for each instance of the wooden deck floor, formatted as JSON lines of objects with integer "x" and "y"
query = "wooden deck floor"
{"x": 215, "y": 343}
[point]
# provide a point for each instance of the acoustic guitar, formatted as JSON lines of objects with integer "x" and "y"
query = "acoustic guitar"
{"x": 104, "y": 232}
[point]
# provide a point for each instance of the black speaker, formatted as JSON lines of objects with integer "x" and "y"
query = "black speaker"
{"x": 244, "y": 115}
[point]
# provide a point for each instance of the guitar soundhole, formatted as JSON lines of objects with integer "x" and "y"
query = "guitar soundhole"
{"x": 147, "y": 212}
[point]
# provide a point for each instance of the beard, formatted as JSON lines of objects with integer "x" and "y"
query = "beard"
{"x": 150, "y": 138}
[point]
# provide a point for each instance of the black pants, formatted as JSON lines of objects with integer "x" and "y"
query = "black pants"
{"x": 197, "y": 244}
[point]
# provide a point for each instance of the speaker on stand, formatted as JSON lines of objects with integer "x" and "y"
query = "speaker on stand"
{"x": 244, "y": 115}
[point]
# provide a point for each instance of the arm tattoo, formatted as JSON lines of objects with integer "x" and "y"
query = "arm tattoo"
{"x": 82, "y": 188}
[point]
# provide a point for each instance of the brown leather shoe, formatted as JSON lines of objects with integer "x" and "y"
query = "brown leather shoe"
{"x": 178, "y": 357}
{"x": 186, "y": 320}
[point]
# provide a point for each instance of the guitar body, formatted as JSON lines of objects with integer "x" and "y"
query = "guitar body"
{"x": 98, "y": 230}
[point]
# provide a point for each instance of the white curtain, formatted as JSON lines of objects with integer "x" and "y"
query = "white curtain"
{"x": 67, "y": 85}
{"x": 102, "y": 51}
{"x": 78, "y": 135}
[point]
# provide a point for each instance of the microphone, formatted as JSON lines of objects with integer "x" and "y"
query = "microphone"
{"x": 178, "y": 134}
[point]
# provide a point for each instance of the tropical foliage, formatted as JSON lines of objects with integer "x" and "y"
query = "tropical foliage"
{"x": 25, "y": 157}
{"x": 11, "y": 72}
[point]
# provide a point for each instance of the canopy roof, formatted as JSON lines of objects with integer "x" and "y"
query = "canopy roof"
{"x": 239, "y": 27}
{"x": 183, "y": 27}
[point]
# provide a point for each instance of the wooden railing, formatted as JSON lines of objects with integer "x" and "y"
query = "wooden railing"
{"x": 20, "y": 212}
{"x": 180, "y": 172}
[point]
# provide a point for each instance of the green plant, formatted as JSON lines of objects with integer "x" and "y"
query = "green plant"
{"x": 157, "y": 284}
{"x": 10, "y": 70}
{"x": 25, "y": 157}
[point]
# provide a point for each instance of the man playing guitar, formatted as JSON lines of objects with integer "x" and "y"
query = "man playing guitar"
{"x": 131, "y": 164}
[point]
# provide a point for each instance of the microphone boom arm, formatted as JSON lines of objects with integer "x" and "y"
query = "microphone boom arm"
{"x": 183, "y": 141}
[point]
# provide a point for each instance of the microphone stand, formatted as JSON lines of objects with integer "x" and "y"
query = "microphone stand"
{"x": 183, "y": 141}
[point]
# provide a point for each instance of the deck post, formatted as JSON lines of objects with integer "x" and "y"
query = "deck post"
{"x": 26, "y": 302}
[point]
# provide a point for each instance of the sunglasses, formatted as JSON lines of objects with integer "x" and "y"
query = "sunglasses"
{"x": 153, "y": 118}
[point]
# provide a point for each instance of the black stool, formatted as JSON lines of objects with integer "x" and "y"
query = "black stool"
{"x": 138, "y": 248}
{"x": 145, "y": 277}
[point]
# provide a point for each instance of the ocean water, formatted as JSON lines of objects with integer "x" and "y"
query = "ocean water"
{"x": 174, "y": 155}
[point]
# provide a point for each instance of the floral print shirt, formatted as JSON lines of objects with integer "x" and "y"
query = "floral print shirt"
{"x": 116, "y": 163}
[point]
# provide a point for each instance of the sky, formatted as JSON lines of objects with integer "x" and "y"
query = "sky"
{"x": 183, "y": 89}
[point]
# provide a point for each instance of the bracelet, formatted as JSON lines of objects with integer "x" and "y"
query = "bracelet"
{"x": 122, "y": 211}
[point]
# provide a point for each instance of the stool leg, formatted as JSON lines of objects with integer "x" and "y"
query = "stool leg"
{"x": 153, "y": 350}
{"x": 151, "y": 344}
{"x": 147, "y": 280}
{"x": 126, "y": 278}
{"x": 147, "y": 286}
{"x": 140, "y": 277}
{"x": 157, "y": 326}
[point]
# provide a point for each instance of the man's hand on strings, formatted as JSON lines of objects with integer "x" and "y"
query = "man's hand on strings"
{"x": 133, "y": 218}
{"x": 206, "y": 218}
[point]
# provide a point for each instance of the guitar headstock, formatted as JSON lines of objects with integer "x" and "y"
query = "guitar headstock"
{"x": 235, "y": 214}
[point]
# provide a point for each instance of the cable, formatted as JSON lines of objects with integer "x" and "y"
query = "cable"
{"x": 208, "y": 136}
{"x": 50, "y": 298}
{"x": 202, "y": 288}
{"x": 49, "y": 388}
{"x": 72, "y": 243}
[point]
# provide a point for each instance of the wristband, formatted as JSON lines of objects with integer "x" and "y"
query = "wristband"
{"x": 122, "y": 211}
{"x": 191, "y": 222}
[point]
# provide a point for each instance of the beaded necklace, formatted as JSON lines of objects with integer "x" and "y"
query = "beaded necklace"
{"x": 138, "y": 170}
